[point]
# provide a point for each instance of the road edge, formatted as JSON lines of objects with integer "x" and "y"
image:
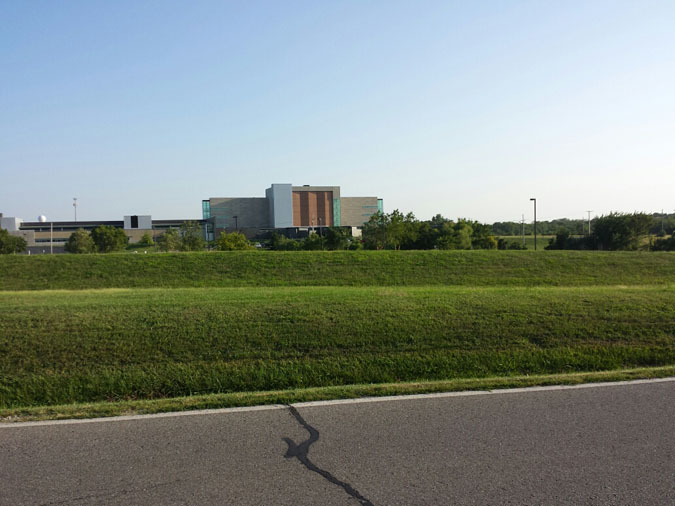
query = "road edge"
{"x": 310, "y": 397}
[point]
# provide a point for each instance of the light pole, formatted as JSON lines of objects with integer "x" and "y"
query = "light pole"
{"x": 75, "y": 207}
{"x": 589, "y": 222}
{"x": 43, "y": 219}
{"x": 535, "y": 223}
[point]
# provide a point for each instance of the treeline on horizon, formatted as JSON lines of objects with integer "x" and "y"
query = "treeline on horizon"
{"x": 615, "y": 231}
{"x": 662, "y": 224}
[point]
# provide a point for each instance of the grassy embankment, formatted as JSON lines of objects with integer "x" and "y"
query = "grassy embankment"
{"x": 131, "y": 346}
{"x": 336, "y": 268}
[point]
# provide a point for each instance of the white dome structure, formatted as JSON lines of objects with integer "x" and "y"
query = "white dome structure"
{"x": 42, "y": 218}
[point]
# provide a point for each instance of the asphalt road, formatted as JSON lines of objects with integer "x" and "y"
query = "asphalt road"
{"x": 602, "y": 445}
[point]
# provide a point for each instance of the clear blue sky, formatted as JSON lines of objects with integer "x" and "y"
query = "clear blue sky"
{"x": 460, "y": 108}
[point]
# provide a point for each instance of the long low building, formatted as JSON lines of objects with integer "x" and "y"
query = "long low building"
{"x": 293, "y": 209}
{"x": 45, "y": 236}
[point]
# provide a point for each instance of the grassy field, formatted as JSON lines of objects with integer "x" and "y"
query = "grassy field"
{"x": 336, "y": 268}
{"x": 542, "y": 240}
{"x": 59, "y": 347}
{"x": 172, "y": 331}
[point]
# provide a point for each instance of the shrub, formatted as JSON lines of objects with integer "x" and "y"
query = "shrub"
{"x": 191, "y": 236}
{"x": 80, "y": 241}
{"x": 108, "y": 238}
{"x": 169, "y": 240}
{"x": 11, "y": 243}
{"x": 233, "y": 241}
{"x": 510, "y": 244}
{"x": 146, "y": 240}
{"x": 664, "y": 244}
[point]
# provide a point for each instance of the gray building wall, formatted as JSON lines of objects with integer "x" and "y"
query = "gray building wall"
{"x": 28, "y": 235}
{"x": 355, "y": 211}
{"x": 251, "y": 212}
{"x": 280, "y": 198}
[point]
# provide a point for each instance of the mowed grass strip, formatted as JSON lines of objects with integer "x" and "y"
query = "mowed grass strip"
{"x": 336, "y": 268}
{"x": 60, "y": 347}
{"x": 290, "y": 396}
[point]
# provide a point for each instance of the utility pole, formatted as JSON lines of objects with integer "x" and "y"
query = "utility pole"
{"x": 522, "y": 229}
{"x": 51, "y": 237}
{"x": 662, "y": 218}
{"x": 535, "y": 223}
{"x": 589, "y": 222}
{"x": 75, "y": 207}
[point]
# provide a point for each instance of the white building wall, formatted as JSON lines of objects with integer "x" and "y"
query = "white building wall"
{"x": 144, "y": 222}
{"x": 10, "y": 223}
{"x": 280, "y": 198}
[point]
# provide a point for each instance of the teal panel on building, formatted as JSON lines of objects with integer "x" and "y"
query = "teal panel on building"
{"x": 380, "y": 205}
{"x": 206, "y": 209}
{"x": 337, "y": 212}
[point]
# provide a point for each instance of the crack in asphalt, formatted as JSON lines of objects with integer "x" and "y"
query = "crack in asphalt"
{"x": 109, "y": 494}
{"x": 300, "y": 452}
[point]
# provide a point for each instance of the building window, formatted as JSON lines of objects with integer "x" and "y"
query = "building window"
{"x": 206, "y": 209}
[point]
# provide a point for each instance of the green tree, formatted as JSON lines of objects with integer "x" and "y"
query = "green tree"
{"x": 169, "y": 240}
{"x": 620, "y": 231}
{"x": 455, "y": 235}
{"x": 313, "y": 242}
{"x": 337, "y": 238}
{"x": 146, "y": 240}
{"x": 391, "y": 231}
{"x": 481, "y": 237}
{"x": 191, "y": 238}
{"x": 11, "y": 243}
{"x": 374, "y": 231}
{"x": 233, "y": 241}
{"x": 80, "y": 241}
{"x": 109, "y": 239}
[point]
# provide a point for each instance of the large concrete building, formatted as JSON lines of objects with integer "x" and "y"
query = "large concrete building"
{"x": 289, "y": 208}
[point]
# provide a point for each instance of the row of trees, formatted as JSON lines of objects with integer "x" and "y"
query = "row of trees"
{"x": 329, "y": 239}
{"x": 103, "y": 239}
{"x": 398, "y": 231}
{"x": 576, "y": 227}
{"x": 616, "y": 231}
{"x": 108, "y": 239}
